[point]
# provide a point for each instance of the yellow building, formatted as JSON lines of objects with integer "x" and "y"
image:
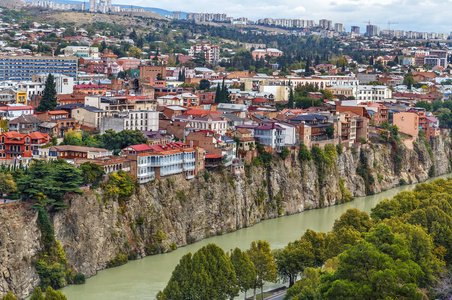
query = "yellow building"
{"x": 21, "y": 97}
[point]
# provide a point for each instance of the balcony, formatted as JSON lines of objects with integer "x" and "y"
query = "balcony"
{"x": 189, "y": 168}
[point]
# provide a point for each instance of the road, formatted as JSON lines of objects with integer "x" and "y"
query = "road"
{"x": 277, "y": 297}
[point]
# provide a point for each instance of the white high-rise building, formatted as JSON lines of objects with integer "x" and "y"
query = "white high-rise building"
{"x": 92, "y": 5}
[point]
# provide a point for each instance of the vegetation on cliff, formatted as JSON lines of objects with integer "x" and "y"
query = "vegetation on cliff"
{"x": 401, "y": 251}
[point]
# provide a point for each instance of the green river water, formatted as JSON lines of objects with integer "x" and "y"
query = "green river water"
{"x": 142, "y": 279}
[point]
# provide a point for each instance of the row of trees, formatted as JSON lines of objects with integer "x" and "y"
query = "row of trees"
{"x": 50, "y": 294}
{"x": 403, "y": 250}
{"x": 211, "y": 273}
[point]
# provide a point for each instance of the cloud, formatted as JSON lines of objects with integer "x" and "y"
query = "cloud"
{"x": 416, "y": 15}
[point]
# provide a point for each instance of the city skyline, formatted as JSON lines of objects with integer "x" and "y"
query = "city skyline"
{"x": 416, "y": 15}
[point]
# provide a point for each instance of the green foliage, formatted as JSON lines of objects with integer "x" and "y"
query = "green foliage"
{"x": 264, "y": 263}
{"x": 51, "y": 274}
{"x": 285, "y": 152}
{"x": 244, "y": 269}
{"x": 120, "y": 259}
{"x": 91, "y": 173}
{"x": 208, "y": 274}
{"x": 377, "y": 268}
{"x": 7, "y": 184}
{"x": 293, "y": 259}
{"x": 303, "y": 153}
{"x": 116, "y": 141}
{"x": 305, "y": 288}
{"x": 364, "y": 171}
{"x": 206, "y": 175}
{"x": 48, "y": 182}
{"x": 79, "y": 278}
{"x": 424, "y": 104}
{"x": 339, "y": 149}
{"x": 9, "y": 296}
{"x": 119, "y": 186}
{"x": 48, "y": 101}
{"x": 346, "y": 195}
{"x": 355, "y": 219}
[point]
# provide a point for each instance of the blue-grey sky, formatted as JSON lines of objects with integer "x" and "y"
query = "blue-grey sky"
{"x": 418, "y": 15}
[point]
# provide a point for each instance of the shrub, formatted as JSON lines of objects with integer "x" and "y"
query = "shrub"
{"x": 303, "y": 153}
{"x": 284, "y": 153}
{"x": 119, "y": 260}
{"x": 79, "y": 278}
{"x": 206, "y": 175}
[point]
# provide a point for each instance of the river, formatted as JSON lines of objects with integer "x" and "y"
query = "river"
{"x": 142, "y": 279}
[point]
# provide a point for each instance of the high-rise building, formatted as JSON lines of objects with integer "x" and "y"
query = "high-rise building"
{"x": 355, "y": 29}
{"x": 339, "y": 27}
{"x": 326, "y": 24}
{"x": 23, "y": 67}
{"x": 372, "y": 30}
{"x": 176, "y": 15}
{"x": 92, "y": 5}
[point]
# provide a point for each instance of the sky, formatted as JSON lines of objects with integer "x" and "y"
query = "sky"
{"x": 416, "y": 15}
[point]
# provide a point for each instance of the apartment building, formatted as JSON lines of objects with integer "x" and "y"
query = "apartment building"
{"x": 371, "y": 93}
{"x": 220, "y": 146}
{"x": 270, "y": 134}
{"x": 165, "y": 160}
{"x": 211, "y": 53}
{"x": 14, "y": 145}
{"x": 144, "y": 120}
{"x": 262, "y": 53}
{"x": 81, "y": 51}
{"x": 215, "y": 122}
{"x": 22, "y": 68}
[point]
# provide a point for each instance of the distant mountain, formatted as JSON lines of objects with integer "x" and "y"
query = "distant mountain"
{"x": 159, "y": 11}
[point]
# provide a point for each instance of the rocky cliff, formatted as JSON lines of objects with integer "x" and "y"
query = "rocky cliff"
{"x": 173, "y": 212}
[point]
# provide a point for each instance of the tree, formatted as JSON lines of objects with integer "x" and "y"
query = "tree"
{"x": 293, "y": 259}
{"x": 91, "y": 173}
{"x": 327, "y": 94}
{"x": 48, "y": 101}
{"x": 303, "y": 153}
{"x": 285, "y": 152}
{"x": 330, "y": 131}
{"x": 218, "y": 94}
{"x": 264, "y": 263}
{"x": 7, "y": 184}
{"x": 377, "y": 268}
{"x": 51, "y": 294}
{"x": 424, "y": 104}
{"x": 204, "y": 84}
{"x": 305, "y": 288}
{"x": 37, "y": 294}
{"x": 9, "y": 296}
{"x": 353, "y": 218}
{"x": 291, "y": 99}
{"x": 244, "y": 270}
{"x": 135, "y": 52}
{"x": 116, "y": 141}
{"x": 72, "y": 137}
{"x": 119, "y": 186}
{"x": 208, "y": 274}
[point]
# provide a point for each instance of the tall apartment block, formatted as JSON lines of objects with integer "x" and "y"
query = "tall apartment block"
{"x": 23, "y": 67}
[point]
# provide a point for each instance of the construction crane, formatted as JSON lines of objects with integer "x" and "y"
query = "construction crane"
{"x": 389, "y": 24}
{"x": 367, "y": 22}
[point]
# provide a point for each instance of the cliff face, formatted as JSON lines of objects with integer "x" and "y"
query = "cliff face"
{"x": 19, "y": 243}
{"x": 173, "y": 212}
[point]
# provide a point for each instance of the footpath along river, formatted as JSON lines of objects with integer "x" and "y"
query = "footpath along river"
{"x": 142, "y": 279}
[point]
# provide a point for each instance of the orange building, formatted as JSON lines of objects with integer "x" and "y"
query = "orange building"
{"x": 14, "y": 145}
{"x": 90, "y": 89}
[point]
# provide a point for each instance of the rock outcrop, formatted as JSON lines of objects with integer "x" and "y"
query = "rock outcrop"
{"x": 173, "y": 212}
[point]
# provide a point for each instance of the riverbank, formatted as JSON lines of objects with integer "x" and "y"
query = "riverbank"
{"x": 172, "y": 213}
{"x": 142, "y": 279}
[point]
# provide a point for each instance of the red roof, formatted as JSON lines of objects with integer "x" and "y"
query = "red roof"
{"x": 213, "y": 156}
{"x": 200, "y": 112}
{"x": 141, "y": 147}
{"x": 92, "y": 86}
{"x": 8, "y": 108}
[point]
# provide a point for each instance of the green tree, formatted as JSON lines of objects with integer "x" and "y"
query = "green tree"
{"x": 330, "y": 131}
{"x": 91, "y": 173}
{"x": 291, "y": 99}
{"x": 204, "y": 84}
{"x": 244, "y": 270}
{"x": 48, "y": 101}
{"x": 303, "y": 153}
{"x": 293, "y": 259}
{"x": 378, "y": 268}
{"x": 306, "y": 287}
{"x": 37, "y": 294}
{"x": 208, "y": 274}
{"x": 9, "y": 296}
{"x": 51, "y": 294}
{"x": 7, "y": 184}
{"x": 424, "y": 104}
{"x": 264, "y": 263}
{"x": 354, "y": 218}
{"x": 285, "y": 152}
{"x": 116, "y": 141}
{"x": 119, "y": 186}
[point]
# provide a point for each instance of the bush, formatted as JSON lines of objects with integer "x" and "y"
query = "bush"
{"x": 339, "y": 149}
{"x": 206, "y": 175}
{"x": 119, "y": 260}
{"x": 303, "y": 153}
{"x": 51, "y": 274}
{"x": 79, "y": 278}
{"x": 284, "y": 153}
